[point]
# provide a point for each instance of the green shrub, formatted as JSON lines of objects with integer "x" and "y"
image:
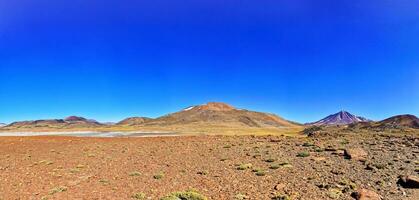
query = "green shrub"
{"x": 260, "y": 172}
{"x": 275, "y": 166}
{"x": 158, "y": 176}
{"x": 57, "y": 190}
{"x": 308, "y": 144}
{"x": 135, "y": 173}
{"x": 187, "y": 195}
{"x": 139, "y": 196}
{"x": 244, "y": 166}
{"x": 281, "y": 197}
{"x": 303, "y": 154}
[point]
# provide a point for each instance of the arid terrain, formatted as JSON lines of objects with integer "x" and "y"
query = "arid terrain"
{"x": 212, "y": 151}
{"x": 219, "y": 167}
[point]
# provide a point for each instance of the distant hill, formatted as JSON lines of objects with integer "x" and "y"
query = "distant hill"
{"x": 395, "y": 122}
{"x": 2, "y": 124}
{"x": 410, "y": 121}
{"x": 221, "y": 114}
{"x": 72, "y": 122}
{"x": 340, "y": 118}
{"x": 133, "y": 121}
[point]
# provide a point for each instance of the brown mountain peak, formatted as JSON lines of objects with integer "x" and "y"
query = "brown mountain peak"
{"x": 216, "y": 106}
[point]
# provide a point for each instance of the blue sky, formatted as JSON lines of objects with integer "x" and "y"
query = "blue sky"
{"x": 302, "y": 60}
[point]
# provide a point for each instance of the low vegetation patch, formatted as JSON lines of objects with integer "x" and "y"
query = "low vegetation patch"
{"x": 308, "y": 144}
{"x": 139, "y": 196}
{"x": 303, "y": 154}
{"x": 158, "y": 176}
{"x": 57, "y": 190}
{"x": 244, "y": 166}
{"x": 275, "y": 166}
{"x": 334, "y": 193}
{"x": 135, "y": 173}
{"x": 187, "y": 195}
{"x": 260, "y": 172}
{"x": 75, "y": 170}
{"x": 203, "y": 172}
{"x": 241, "y": 197}
{"x": 104, "y": 181}
{"x": 281, "y": 197}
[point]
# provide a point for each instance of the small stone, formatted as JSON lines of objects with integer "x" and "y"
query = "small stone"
{"x": 365, "y": 194}
{"x": 280, "y": 186}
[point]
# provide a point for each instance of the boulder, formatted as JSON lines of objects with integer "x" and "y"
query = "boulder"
{"x": 356, "y": 154}
{"x": 409, "y": 182}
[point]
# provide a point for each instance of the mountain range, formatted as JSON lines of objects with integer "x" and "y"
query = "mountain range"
{"x": 208, "y": 118}
{"x": 212, "y": 117}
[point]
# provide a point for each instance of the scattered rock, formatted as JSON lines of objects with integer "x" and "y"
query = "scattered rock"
{"x": 409, "y": 182}
{"x": 280, "y": 186}
{"x": 339, "y": 152}
{"x": 365, "y": 194}
{"x": 356, "y": 154}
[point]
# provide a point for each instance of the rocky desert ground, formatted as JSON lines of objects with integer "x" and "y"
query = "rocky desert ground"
{"x": 340, "y": 166}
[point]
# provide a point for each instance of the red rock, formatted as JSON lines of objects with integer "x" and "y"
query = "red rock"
{"x": 280, "y": 186}
{"x": 365, "y": 194}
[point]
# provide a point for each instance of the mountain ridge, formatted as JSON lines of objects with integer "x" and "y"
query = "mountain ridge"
{"x": 66, "y": 123}
{"x": 211, "y": 117}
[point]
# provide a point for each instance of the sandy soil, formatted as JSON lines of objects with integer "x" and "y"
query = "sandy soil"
{"x": 50, "y": 167}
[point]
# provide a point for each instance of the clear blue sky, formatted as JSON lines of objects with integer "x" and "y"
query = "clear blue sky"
{"x": 302, "y": 60}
